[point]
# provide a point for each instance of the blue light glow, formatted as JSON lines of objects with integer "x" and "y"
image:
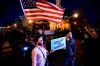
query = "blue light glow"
{"x": 25, "y": 48}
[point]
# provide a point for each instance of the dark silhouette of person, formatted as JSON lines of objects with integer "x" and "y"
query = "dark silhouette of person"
{"x": 70, "y": 50}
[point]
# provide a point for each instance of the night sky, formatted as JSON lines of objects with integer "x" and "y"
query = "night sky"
{"x": 11, "y": 9}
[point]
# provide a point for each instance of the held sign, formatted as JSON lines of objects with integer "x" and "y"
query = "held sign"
{"x": 58, "y": 43}
{"x": 49, "y": 32}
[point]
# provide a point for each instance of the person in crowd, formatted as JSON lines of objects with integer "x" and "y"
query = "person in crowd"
{"x": 70, "y": 50}
{"x": 32, "y": 43}
{"x": 40, "y": 33}
{"x": 39, "y": 53}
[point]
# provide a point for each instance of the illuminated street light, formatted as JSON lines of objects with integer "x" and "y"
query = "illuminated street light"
{"x": 15, "y": 25}
{"x": 30, "y": 21}
{"x": 75, "y": 15}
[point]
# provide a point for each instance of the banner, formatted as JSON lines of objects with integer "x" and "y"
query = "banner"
{"x": 58, "y": 43}
{"x": 49, "y": 32}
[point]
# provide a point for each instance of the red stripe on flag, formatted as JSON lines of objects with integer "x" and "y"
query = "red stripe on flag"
{"x": 44, "y": 18}
{"x": 41, "y": 11}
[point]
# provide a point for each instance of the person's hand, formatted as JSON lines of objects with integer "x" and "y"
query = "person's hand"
{"x": 52, "y": 51}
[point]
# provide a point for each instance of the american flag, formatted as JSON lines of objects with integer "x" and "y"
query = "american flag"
{"x": 42, "y": 10}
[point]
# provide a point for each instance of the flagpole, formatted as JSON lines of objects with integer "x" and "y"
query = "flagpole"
{"x": 22, "y": 7}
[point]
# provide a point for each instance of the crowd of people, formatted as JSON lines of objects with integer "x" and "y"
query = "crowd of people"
{"x": 37, "y": 41}
{"x": 90, "y": 41}
{"x": 18, "y": 38}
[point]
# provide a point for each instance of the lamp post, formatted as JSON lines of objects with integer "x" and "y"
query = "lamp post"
{"x": 75, "y": 15}
{"x": 71, "y": 18}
